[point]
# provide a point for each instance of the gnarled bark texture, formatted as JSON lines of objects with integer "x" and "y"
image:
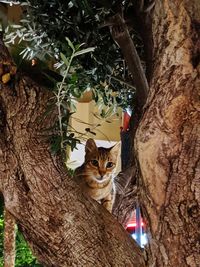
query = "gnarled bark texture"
{"x": 62, "y": 226}
{"x": 168, "y": 138}
{"x": 9, "y": 239}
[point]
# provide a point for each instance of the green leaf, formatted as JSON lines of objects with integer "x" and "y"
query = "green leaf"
{"x": 84, "y": 51}
{"x": 55, "y": 144}
{"x": 16, "y": 26}
{"x": 76, "y": 92}
{"x": 70, "y": 43}
{"x": 74, "y": 78}
{"x": 64, "y": 59}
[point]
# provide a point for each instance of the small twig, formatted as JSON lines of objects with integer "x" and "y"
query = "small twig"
{"x": 141, "y": 5}
{"x": 122, "y": 81}
{"x": 150, "y": 6}
{"x": 59, "y": 102}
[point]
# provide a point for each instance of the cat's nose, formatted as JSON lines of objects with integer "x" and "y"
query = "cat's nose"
{"x": 102, "y": 173}
{"x": 100, "y": 177}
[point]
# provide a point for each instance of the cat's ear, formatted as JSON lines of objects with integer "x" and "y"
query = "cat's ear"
{"x": 116, "y": 148}
{"x": 90, "y": 146}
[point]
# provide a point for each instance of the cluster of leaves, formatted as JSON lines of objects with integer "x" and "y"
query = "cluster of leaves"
{"x": 45, "y": 25}
{"x": 42, "y": 34}
{"x": 67, "y": 91}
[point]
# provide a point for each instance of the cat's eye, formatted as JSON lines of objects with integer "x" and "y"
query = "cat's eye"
{"x": 95, "y": 162}
{"x": 110, "y": 164}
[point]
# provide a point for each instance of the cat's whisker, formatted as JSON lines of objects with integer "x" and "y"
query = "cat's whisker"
{"x": 118, "y": 187}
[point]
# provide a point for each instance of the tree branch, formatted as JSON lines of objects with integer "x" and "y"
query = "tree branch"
{"x": 126, "y": 194}
{"x": 9, "y": 239}
{"x": 121, "y": 35}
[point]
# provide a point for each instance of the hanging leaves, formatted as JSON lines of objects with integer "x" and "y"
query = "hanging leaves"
{"x": 85, "y": 57}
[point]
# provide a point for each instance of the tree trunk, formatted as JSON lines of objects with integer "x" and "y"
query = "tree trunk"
{"x": 9, "y": 239}
{"x": 168, "y": 138}
{"x": 62, "y": 226}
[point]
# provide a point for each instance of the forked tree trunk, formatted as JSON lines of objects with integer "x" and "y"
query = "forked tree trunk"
{"x": 63, "y": 227}
{"x": 168, "y": 138}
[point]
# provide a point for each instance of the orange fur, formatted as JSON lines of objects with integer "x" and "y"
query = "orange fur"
{"x": 95, "y": 175}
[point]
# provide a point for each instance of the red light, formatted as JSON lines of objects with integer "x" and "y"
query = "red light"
{"x": 130, "y": 225}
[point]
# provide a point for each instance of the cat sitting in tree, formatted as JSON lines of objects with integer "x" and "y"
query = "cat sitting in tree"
{"x": 95, "y": 175}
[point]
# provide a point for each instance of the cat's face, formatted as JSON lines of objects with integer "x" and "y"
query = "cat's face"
{"x": 100, "y": 162}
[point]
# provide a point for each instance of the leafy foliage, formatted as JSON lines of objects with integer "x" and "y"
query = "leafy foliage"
{"x": 45, "y": 26}
{"x": 62, "y": 33}
{"x": 24, "y": 257}
{"x": 66, "y": 91}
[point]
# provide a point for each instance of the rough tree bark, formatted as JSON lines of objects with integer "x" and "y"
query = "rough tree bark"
{"x": 9, "y": 239}
{"x": 168, "y": 138}
{"x": 62, "y": 226}
{"x": 37, "y": 189}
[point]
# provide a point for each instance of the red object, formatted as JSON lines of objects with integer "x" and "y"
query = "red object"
{"x": 131, "y": 225}
{"x": 126, "y": 122}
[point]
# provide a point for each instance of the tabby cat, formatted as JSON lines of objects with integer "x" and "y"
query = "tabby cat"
{"x": 95, "y": 175}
